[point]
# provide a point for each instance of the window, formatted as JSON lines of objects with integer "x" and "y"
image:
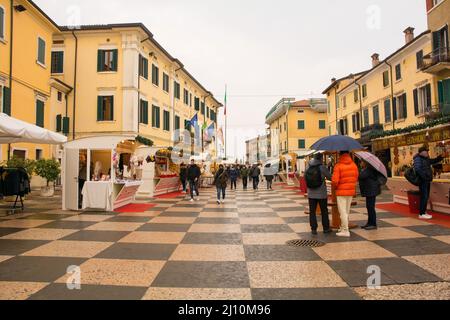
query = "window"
{"x": 58, "y": 123}
{"x": 186, "y": 97}
{"x": 366, "y": 117}
{"x": 187, "y": 125}
{"x": 398, "y": 72}
{"x": 166, "y": 120}
{"x": 197, "y": 104}
{"x": 322, "y": 124}
{"x": 176, "y": 90}
{"x": 156, "y": 117}
{"x": 422, "y": 99}
{"x": 143, "y": 67}
{"x": 143, "y": 112}
{"x": 165, "y": 82}
{"x": 364, "y": 90}
{"x": 41, "y": 51}
{"x": 2, "y": 23}
{"x": 39, "y": 154}
{"x": 385, "y": 79}
{"x": 155, "y": 75}
{"x": 177, "y": 123}
{"x": 356, "y": 95}
{"x": 213, "y": 115}
{"x": 440, "y": 44}
{"x": 387, "y": 111}
{"x": 59, "y": 96}
{"x": 343, "y": 126}
{"x": 356, "y": 122}
{"x": 301, "y": 124}
{"x": 190, "y": 99}
{"x": 105, "y": 108}
{"x": 107, "y": 60}
{"x": 40, "y": 113}
{"x": 400, "y": 107}
{"x": 207, "y": 112}
{"x": 65, "y": 125}
{"x": 202, "y": 108}
{"x": 301, "y": 144}
{"x": 6, "y": 100}
{"x": 57, "y": 62}
{"x": 285, "y": 127}
{"x": 19, "y": 154}
{"x": 376, "y": 114}
{"x": 419, "y": 58}
{"x": 344, "y": 102}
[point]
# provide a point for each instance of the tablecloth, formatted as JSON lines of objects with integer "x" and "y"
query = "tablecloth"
{"x": 97, "y": 195}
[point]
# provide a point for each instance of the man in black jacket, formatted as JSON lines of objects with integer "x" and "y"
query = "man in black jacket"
{"x": 193, "y": 176}
{"x": 422, "y": 165}
{"x": 183, "y": 176}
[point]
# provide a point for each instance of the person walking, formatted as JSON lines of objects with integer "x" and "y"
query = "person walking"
{"x": 344, "y": 179}
{"x": 244, "y": 175}
{"x": 256, "y": 172}
{"x": 193, "y": 176}
{"x": 422, "y": 165}
{"x": 220, "y": 181}
{"x": 183, "y": 177}
{"x": 370, "y": 181}
{"x": 316, "y": 174}
{"x": 268, "y": 175}
{"x": 234, "y": 174}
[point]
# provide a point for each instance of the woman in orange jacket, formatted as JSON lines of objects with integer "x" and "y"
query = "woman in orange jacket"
{"x": 345, "y": 177}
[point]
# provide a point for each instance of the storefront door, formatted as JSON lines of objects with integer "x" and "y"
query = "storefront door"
{"x": 70, "y": 187}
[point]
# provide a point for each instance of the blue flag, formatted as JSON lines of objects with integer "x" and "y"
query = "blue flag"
{"x": 194, "y": 121}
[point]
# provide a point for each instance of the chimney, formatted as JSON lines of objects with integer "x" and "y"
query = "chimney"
{"x": 409, "y": 34}
{"x": 375, "y": 59}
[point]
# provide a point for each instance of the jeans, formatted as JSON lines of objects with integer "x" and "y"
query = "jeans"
{"x": 269, "y": 184}
{"x": 193, "y": 186}
{"x": 233, "y": 183}
{"x": 370, "y": 205}
{"x": 424, "y": 189}
{"x": 184, "y": 184}
{"x": 244, "y": 182}
{"x": 323, "y": 203}
{"x": 255, "y": 183}
{"x": 344, "y": 205}
{"x": 220, "y": 190}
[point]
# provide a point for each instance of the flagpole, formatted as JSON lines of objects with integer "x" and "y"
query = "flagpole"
{"x": 226, "y": 127}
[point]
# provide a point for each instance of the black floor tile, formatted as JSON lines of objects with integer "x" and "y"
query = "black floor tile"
{"x": 415, "y": 246}
{"x": 297, "y": 209}
{"x": 258, "y": 215}
{"x": 94, "y": 235}
{"x": 203, "y": 275}
{"x": 67, "y": 225}
{"x": 217, "y": 221}
{"x": 265, "y": 228}
{"x": 164, "y": 227}
{"x": 213, "y": 238}
{"x": 220, "y": 209}
{"x": 138, "y": 251}
{"x": 305, "y": 294}
{"x": 279, "y": 253}
{"x": 128, "y": 219}
{"x": 15, "y": 247}
{"x": 431, "y": 230}
{"x": 57, "y": 291}
{"x": 47, "y": 216}
{"x": 291, "y": 220}
{"x": 179, "y": 214}
{"x": 7, "y": 231}
{"x": 36, "y": 269}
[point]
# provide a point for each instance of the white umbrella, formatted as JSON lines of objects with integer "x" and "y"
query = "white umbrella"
{"x": 13, "y": 130}
{"x": 373, "y": 160}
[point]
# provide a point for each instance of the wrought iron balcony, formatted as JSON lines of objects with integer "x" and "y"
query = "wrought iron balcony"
{"x": 367, "y": 131}
{"x": 437, "y": 60}
{"x": 437, "y": 111}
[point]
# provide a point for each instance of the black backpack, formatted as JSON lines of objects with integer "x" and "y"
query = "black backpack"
{"x": 412, "y": 176}
{"x": 313, "y": 177}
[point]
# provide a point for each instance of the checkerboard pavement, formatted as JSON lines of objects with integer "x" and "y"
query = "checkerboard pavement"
{"x": 182, "y": 250}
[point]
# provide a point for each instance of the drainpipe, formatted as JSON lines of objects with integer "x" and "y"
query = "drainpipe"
{"x": 11, "y": 62}
{"x": 204, "y": 119}
{"x": 74, "y": 85}
{"x": 392, "y": 94}
{"x": 336, "y": 98}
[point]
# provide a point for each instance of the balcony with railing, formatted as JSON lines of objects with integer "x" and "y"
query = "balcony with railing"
{"x": 437, "y": 111}
{"x": 368, "y": 131}
{"x": 437, "y": 60}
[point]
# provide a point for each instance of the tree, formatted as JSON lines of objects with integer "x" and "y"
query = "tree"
{"x": 48, "y": 169}
{"x": 27, "y": 164}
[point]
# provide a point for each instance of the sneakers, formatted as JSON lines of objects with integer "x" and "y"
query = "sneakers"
{"x": 344, "y": 234}
{"x": 314, "y": 232}
{"x": 218, "y": 201}
{"x": 192, "y": 200}
{"x": 425, "y": 216}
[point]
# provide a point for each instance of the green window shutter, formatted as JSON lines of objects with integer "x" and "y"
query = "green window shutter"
{"x": 405, "y": 106}
{"x": 394, "y": 108}
{"x": 416, "y": 102}
{"x": 2, "y": 20}
{"x": 146, "y": 112}
{"x": 112, "y": 108}
{"x": 58, "y": 123}
{"x": 428, "y": 93}
{"x": 65, "y": 126}
{"x": 100, "y": 60}
{"x": 158, "y": 117}
{"x": 7, "y": 101}
{"x": 146, "y": 69}
{"x": 99, "y": 108}
{"x": 387, "y": 110}
{"x": 41, "y": 50}
{"x": 440, "y": 92}
{"x": 322, "y": 124}
{"x": 39, "y": 113}
{"x": 301, "y": 144}
{"x": 115, "y": 59}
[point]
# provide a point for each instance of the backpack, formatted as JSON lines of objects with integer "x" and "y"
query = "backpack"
{"x": 412, "y": 176}
{"x": 313, "y": 177}
{"x": 382, "y": 180}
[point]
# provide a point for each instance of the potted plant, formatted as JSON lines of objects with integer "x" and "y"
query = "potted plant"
{"x": 27, "y": 164}
{"x": 49, "y": 169}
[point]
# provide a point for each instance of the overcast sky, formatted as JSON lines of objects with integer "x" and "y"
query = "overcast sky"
{"x": 262, "y": 49}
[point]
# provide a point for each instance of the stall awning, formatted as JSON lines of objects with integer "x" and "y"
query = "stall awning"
{"x": 13, "y": 130}
{"x": 99, "y": 142}
{"x": 304, "y": 154}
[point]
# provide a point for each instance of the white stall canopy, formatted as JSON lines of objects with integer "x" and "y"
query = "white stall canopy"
{"x": 14, "y": 131}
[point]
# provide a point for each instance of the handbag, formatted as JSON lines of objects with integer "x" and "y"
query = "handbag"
{"x": 412, "y": 176}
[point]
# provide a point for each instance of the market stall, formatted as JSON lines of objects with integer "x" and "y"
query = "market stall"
{"x": 101, "y": 173}
{"x": 402, "y": 149}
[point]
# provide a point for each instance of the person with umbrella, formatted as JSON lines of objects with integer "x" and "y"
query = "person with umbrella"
{"x": 370, "y": 182}
{"x": 268, "y": 174}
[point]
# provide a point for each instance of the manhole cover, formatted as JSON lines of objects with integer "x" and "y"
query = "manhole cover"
{"x": 305, "y": 243}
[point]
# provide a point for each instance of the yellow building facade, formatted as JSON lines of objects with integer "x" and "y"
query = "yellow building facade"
{"x": 296, "y": 125}
{"x": 95, "y": 80}
{"x": 25, "y": 93}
